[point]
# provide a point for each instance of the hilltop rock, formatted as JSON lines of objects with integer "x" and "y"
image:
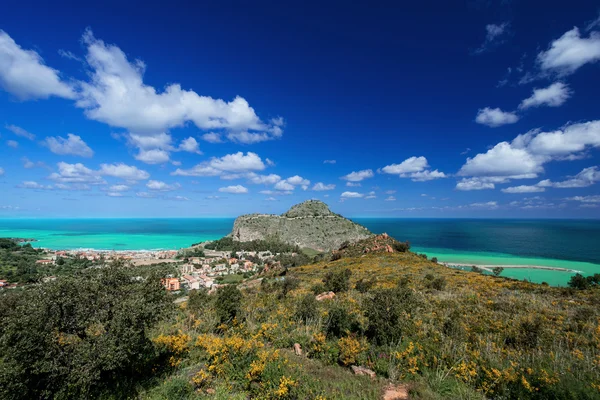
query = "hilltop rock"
{"x": 309, "y": 224}
{"x": 374, "y": 244}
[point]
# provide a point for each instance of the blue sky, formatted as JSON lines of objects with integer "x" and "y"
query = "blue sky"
{"x": 469, "y": 109}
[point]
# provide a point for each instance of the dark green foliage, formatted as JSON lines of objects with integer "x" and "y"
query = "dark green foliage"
{"x": 344, "y": 245}
{"x": 581, "y": 282}
{"x": 293, "y": 260}
{"x": 227, "y": 303}
{"x": 527, "y": 335}
{"x": 363, "y": 286}
{"x": 273, "y": 245}
{"x": 80, "y": 337}
{"x": 434, "y": 260}
{"x": 318, "y": 288}
{"x": 198, "y": 300}
{"x": 288, "y": 284}
{"x": 497, "y": 271}
{"x": 336, "y": 256}
{"x": 401, "y": 247}
{"x": 306, "y": 309}
{"x": 339, "y": 321}
{"x": 386, "y": 313}
{"x": 476, "y": 269}
{"x": 338, "y": 281}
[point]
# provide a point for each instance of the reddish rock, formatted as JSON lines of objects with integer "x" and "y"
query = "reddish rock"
{"x": 363, "y": 371}
{"x": 297, "y": 349}
{"x": 399, "y": 392}
{"x": 325, "y": 296}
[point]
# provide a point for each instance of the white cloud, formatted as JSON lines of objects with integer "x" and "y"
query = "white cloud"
{"x": 1, "y": 171}
{"x": 352, "y": 195}
{"x": 28, "y": 164}
{"x": 585, "y": 199}
{"x": 190, "y": 145}
{"x": 257, "y": 179}
{"x": 117, "y": 95}
{"x": 76, "y": 173}
{"x": 570, "y": 52}
{"x": 495, "y": 117}
{"x": 523, "y": 189}
{"x": 231, "y": 163}
{"x": 178, "y": 198}
{"x": 119, "y": 188}
{"x": 320, "y": 186}
{"x": 24, "y": 74}
{"x": 284, "y": 186}
{"x": 297, "y": 180}
{"x": 145, "y": 195}
{"x": 491, "y": 205}
{"x": 357, "y": 176}
{"x": 237, "y": 189}
{"x": 12, "y": 143}
{"x": 393, "y": 191}
{"x": 587, "y": 177}
{"x": 162, "y": 186}
{"x": 72, "y": 145}
{"x": 593, "y": 24}
{"x": 329, "y": 162}
{"x": 569, "y": 140}
{"x": 493, "y": 32}
{"x": 502, "y": 160}
{"x": 270, "y": 199}
{"x": 371, "y": 195}
{"x": 553, "y": 96}
{"x": 154, "y": 156}
{"x": 212, "y": 137}
{"x": 467, "y": 184}
{"x": 390, "y": 198}
{"x": 114, "y": 194}
{"x": 416, "y": 168}
{"x": 34, "y": 185}
{"x": 122, "y": 171}
{"x": 353, "y": 184}
{"x": 20, "y": 132}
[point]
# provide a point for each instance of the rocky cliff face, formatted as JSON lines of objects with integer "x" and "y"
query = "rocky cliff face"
{"x": 308, "y": 224}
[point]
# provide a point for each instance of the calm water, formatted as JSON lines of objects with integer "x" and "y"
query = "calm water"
{"x": 560, "y": 243}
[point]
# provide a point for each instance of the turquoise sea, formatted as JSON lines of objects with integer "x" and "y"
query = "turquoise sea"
{"x": 573, "y": 244}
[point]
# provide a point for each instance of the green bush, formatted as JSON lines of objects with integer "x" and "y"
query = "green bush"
{"x": 386, "y": 314}
{"x": 307, "y": 309}
{"x": 227, "y": 303}
{"x": 339, "y": 321}
{"x": 198, "y": 300}
{"x": 363, "y": 286}
{"x": 338, "y": 281}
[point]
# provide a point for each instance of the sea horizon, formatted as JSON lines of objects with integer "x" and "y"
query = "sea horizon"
{"x": 557, "y": 243}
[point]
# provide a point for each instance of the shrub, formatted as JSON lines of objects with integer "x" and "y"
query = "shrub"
{"x": 386, "y": 312}
{"x": 198, "y": 300}
{"x": 306, "y": 309}
{"x": 339, "y": 321}
{"x": 439, "y": 283}
{"x": 364, "y": 286}
{"x": 401, "y": 247}
{"x": 338, "y": 281}
{"x": 350, "y": 349}
{"x": 434, "y": 260}
{"x": 318, "y": 288}
{"x": 227, "y": 304}
{"x": 497, "y": 271}
{"x": 289, "y": 283}
{"x": 336, "y": 256}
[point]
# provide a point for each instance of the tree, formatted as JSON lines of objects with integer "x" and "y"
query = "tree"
{"x": 497, "y": 271}
{"x": 579, "y": 281}
{"x": 228, "y": 303}
{"x": 337, "y": 281}
{"x": 80, "y": 337}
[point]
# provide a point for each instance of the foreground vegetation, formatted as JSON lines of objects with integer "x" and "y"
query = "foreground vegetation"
{"x": 443, "y": 333}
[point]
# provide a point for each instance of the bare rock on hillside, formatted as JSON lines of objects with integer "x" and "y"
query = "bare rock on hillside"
{"x": 363, "y": 371}
{"x": 399, "y": 392}
{"x": 325, "y": 296}
{"x": 309, "y": 224}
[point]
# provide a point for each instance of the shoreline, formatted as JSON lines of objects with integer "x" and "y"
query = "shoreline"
{"x": 490, "y": 267}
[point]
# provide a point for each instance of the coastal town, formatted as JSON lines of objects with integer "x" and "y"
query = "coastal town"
{"x": 195, "y": 268}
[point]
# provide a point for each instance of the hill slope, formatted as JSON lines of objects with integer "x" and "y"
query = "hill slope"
{"x": 309, "y": 224}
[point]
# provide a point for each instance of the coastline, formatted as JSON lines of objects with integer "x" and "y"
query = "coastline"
{"x": 489, "y": 268}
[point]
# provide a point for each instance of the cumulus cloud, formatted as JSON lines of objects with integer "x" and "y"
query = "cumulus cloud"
{"x": 117, "y": 95}
{"x": 468, "y": 184}
{"x": 371, "y": 195}
{"x": 587, "y": 177}
{"x": 72, "y": 145}
{"x": 585, "y": 199}
{"x": 17, "y": 130}
{"x": 76, "y": 173}
{"x": 329, "y": 162}
{"x": 570, "y": 52}
{"x": 237, "y": 189}
{"x": 490, "y": 205}
{"x": 123, "y": 171}
{"x": 320, "y": 186}
{"x": 190, "y": 145}
{"x": 352, "y": 195}
{"x": 24, "y": 74}
{"x": 284, "y": 186}
{"x": 212, "y": 137}
{"x": 154, "y": 156}
{"x": 502, "y": 160}
{"x": 524, "y": 189}
{"x": 553, "y": 96}
{"x": 34, "y": 185}
{"x": 230, "y": 163}
{"x": 258, "y": 179}
{"x": 353, "y": 184}
{"x": 357, "y": 176}
{"x": 119, "y": 188}
{"x": 416, "y": 168}
{"x": 495, "y": 117}
{"x": 390, "y": 198}
{"x": 162, "y": 186}
{"x": 12, "y": 143}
